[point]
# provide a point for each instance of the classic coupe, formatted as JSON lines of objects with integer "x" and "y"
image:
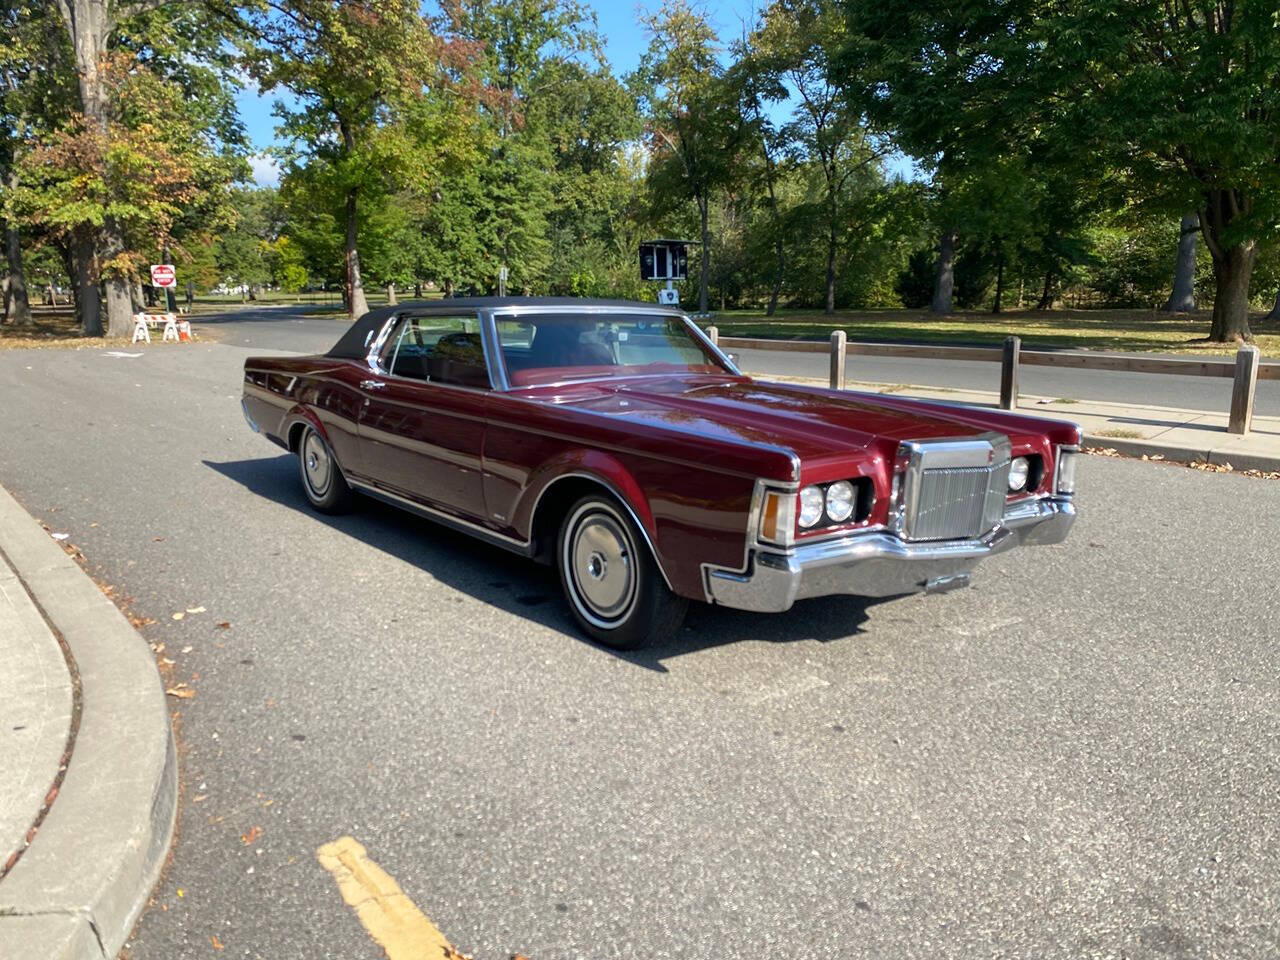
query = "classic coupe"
{"x": 617, "y": 442}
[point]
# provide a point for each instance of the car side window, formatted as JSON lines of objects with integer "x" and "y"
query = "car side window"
{"x": 437, "y": 349}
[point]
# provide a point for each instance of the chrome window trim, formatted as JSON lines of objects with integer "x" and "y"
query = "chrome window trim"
{"x": 479, "y": 316}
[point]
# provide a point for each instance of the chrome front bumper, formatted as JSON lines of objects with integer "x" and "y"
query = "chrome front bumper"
{"x": 877, "y": 563}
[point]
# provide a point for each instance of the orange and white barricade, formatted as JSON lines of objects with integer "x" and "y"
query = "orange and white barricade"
{"x": 142, "y": 322}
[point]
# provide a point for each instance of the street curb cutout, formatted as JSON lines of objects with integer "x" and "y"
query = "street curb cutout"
{"x": 79, "y": 888}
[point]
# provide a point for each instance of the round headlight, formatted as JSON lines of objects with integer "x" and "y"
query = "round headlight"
{"x": 1018, "y": 472}
{"x": 840, "y": 501}
{"x": 810, "y": 506}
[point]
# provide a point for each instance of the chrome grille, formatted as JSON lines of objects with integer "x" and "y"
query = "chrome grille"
{"x": 962, "y": 496}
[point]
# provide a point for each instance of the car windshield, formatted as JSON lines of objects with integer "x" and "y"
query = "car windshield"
{"x": 551, "y": 347}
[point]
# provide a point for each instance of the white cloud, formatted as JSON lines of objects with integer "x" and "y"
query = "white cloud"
{"x": 266, "y": 170}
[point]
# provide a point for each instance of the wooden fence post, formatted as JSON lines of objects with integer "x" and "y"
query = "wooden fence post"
{"x": 1242, "y": 392}
{"x": 1009, "y": 373}
{"x": 713, "y": 334}
{"x": 838, "y": 339}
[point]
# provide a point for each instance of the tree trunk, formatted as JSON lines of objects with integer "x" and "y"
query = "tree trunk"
{"x": 84, "y": 286}
{"x": 1183, "y": 297}
{"x": 779, "y": 250}
{"x": 944, "y": 280}
{"x": 999, "y": 301}
{"x": 1231, "y": 274}
{"x": 1232, "y": 265}
{"x": 89, "y": 25}
{"x": 1046, "y": 292}
{"x": 830, "y": 306}
{"x": 1275, "y": 311}
{"x": 356, "y": 302}
{"x": 391, "y": 294}
{"x": 703, "y": 203}
{"x": 17, "y": 304}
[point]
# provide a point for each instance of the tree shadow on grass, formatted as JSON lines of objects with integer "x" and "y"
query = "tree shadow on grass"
{"x": 525, "y": 589}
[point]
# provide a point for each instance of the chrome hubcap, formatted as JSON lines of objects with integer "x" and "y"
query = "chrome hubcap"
{"x": 602, "y": 566}
{"x": 318, "y": 467}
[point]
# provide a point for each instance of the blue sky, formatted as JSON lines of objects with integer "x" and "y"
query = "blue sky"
{"x": 624, "y": 39}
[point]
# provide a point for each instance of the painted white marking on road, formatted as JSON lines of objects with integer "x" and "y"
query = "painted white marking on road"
{"x": 117, "y": 353}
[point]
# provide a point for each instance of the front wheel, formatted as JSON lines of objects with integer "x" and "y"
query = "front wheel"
{"x": 322, "y": 479}
{"x": 613, "y": 585}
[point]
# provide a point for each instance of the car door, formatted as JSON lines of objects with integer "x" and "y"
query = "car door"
{"x": 421, "y": 429}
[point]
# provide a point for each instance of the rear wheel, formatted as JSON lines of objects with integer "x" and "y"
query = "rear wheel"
{"x": 613, "y": 585}
{"x": 322, "y": 479}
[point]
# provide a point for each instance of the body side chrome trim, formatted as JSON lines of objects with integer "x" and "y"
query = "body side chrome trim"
{"x": 513, "y": 544}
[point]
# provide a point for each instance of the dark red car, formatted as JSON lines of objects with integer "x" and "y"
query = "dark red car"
{"x": 615, "y": 441}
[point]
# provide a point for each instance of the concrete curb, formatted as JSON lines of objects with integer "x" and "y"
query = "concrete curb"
{"x": 81, "y": 885}
{"x": 1239, "y": 459}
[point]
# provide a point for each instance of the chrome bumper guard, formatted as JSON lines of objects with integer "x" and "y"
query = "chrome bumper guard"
{"x": 876, "y": 563}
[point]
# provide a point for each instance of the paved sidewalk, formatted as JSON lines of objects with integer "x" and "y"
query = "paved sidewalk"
{"x": 35, "y": 715}
{"x": 86, "y": 870}
{"x": 1174, "y": 434}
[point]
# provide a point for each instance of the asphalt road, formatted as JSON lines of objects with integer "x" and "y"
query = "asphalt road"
{"x": 279, "y": 327}
{"x": 1077, "y": 757}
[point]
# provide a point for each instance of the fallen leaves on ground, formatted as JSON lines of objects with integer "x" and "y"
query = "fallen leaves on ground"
{"x": 195, "y": 610}
{"x": 222, "y": 625}
{"x": 179, "y": 615}
{"x": 181, "y": 691}
{"x": 1202, "y": 465}
{"x": 217, "y": 944}
{"x": 248, "y": 839}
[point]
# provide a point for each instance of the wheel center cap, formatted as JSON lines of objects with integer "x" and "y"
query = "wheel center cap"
{"x": 311, "y": 461}
{"x": 596, "y": 566}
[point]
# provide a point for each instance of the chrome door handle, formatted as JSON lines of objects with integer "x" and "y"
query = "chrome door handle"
{"x": 372, "y": 385}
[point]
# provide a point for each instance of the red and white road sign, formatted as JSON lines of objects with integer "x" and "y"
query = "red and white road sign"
{"x": 163, "y": 275}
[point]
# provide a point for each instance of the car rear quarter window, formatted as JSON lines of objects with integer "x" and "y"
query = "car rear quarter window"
{"x": 446, "y": 350}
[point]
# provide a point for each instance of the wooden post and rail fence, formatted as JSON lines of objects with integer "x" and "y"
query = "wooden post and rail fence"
{"x": 1245, "y": 370}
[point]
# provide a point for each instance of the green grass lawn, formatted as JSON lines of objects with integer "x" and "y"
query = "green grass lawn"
{"x": 1128, "y": 330}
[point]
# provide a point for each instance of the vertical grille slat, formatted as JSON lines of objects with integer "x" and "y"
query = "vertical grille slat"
{"x": 958, "y": 502}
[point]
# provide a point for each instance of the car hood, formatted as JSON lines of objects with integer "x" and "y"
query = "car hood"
{"x": 814, "y": 423}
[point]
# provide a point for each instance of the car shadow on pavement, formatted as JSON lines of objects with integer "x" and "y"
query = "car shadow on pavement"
{"x": 529, "y": 590}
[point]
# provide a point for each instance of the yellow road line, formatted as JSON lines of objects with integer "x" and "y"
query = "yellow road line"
{"x": 399, "y": 927}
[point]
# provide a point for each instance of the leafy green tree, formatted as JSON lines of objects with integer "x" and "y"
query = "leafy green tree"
{"x": 30, "y": 44}
{"x": 1179, "y": 101}
{"x": 379, "y": 105}
{"x": 694, "y": 126}
{"x": 803, "y": 40}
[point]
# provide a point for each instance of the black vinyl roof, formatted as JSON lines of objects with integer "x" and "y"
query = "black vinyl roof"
{"x": 353, "y": 343}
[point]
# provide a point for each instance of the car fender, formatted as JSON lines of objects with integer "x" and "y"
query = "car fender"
{"x": 593, "y": 465}
{"x": 302, "y": 414}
